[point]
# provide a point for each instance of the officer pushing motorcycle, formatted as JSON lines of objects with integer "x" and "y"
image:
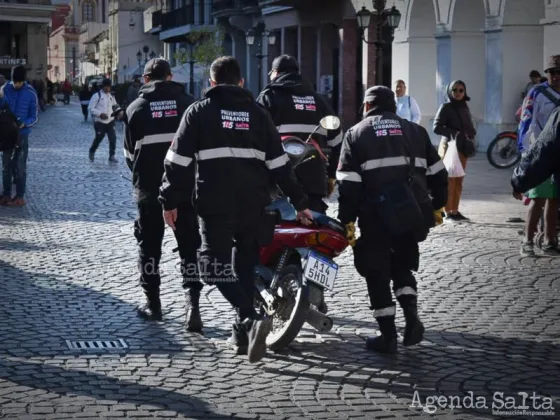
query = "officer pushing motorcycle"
{"x": 228, "y": 147}
{"x": 392, "y": 180}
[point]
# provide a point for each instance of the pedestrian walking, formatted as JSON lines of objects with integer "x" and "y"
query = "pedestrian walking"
{"x": 454, "y": 122}
{"x": 66, "y": 91}
{"x": 407, "y": 107}
{"x": 535, "y": 79}
{"x": 85, "y": 97}
{"x": 133, "y": 91}
{"x": 392, "y": 181}
{"x": 228, "y": 146}
{"x": 50, "y": 92}
{"x": 540, "y": 103}
{"x": 150, "y": 125}
{"x": 22, "y": 100}
{"x": 101, "y": 107}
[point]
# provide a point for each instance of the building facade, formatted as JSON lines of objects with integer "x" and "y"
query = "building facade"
{"x": 491, "y": 45}
{"x": 24, "y": 36}
{"x": 131, "y": 46}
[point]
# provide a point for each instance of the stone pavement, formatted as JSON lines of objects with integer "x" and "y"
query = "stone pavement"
{"x": 67, "y": 273}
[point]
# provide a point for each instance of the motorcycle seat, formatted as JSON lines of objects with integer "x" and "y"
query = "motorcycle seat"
{"x": 287, "y": 213}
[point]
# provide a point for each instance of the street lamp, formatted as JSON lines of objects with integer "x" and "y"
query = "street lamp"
{"x": 391, "y": 18}
{"x": 152, "y": 55}
{"x": 139, "y": 58}
{"x": 191, "y": 62}
{"x": 146, "y": 50}
{"x": 258, "y": 32}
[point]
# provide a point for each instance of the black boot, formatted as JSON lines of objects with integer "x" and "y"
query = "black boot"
{"x": 414, "y": 330}
{"x": 193, "y": 322}
{"x": 239, "y": 339}
{"x": 258, "y": 329}
{"x": 387, "y": 341}
{"x": 151, "y": 310}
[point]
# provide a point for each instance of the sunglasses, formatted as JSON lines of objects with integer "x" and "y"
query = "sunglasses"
{"x": 460, "y": 90}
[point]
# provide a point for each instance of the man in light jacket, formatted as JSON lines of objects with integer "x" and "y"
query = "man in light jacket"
{"x": 101, "y": 107}
{"x": 407, "y": 107}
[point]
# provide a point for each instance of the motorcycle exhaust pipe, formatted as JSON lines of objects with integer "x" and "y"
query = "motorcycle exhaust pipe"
{"x": 319, "y": 321}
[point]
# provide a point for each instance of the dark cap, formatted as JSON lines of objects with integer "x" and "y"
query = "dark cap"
{"x": 19, "y": 74}
{"x": 285, "y": 64}
{"x": 381, "y": 98}
{"x": 157, "y": 68}
{"x": 106, "y": 82}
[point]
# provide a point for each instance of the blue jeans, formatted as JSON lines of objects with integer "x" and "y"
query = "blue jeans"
{"x": 14, "y": 163}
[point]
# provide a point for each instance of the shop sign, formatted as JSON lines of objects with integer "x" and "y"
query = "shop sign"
{"x": 9, "y": 61}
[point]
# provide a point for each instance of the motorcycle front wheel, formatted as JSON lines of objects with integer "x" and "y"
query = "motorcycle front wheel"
{"x": 503, "y": 152}
{"x": 293, "y": 308}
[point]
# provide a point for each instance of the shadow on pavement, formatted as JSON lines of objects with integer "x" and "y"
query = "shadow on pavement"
{"x": 446, "y": 363}
{"x": 76, "y": 384}
{"x": 39, "y": 311}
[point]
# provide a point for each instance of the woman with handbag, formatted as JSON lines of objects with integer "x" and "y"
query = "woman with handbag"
{"x": 454, "y": 123}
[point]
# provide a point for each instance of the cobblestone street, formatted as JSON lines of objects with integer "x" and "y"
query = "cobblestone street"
{"x": 68, "y": 273}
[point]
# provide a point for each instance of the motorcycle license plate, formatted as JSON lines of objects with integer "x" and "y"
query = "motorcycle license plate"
{"x": 320, "y": 270}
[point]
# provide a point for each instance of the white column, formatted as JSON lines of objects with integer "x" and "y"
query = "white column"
{"x": 494, "y": 76}
{"x": 443, "y": 70}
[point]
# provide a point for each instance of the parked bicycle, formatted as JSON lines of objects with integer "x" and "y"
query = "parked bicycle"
{"x": 503, "y": 152}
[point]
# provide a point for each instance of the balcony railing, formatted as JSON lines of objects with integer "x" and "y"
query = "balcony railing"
{"x": 223, "y": 5}
{"x": 178, "y": 17}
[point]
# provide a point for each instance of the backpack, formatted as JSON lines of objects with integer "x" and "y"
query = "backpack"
{"x": 544, "y": 90}
{"x": 9, "y": 130}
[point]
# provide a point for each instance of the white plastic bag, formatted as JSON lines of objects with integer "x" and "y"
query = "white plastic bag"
{"x": 452, "y": 162}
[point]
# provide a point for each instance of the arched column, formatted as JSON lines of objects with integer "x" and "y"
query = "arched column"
{"x": 468, "y": 57}
{"x": 415, "y": 57}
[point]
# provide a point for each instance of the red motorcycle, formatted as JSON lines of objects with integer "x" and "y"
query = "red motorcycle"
{"x": 297, "y": 267}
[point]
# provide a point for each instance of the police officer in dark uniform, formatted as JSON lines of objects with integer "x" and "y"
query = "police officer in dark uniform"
{"x": 228, "y": 146}
{"x": 385, "y": 153}
{"x": 151, "y": 123}
{"x": 296, "y": 109}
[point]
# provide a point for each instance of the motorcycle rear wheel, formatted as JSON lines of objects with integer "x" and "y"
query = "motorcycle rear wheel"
{"x": 512, "y": 155}
{"x": 293, "y": 309}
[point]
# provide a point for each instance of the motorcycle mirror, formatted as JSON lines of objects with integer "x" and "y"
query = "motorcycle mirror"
{"x": 330, "y": 122}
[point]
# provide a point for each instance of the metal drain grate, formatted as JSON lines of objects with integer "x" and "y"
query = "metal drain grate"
{"x": 97, "y": 345}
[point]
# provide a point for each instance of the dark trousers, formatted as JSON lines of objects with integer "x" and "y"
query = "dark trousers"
{"x": 149, "y": 229}
{"x": 85, "y": 112}
{"x": 317, "y": 204}
{"x": 380, "y": 259}
{"x": 234, "y": 279}
{"x": 100, "y": 131}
